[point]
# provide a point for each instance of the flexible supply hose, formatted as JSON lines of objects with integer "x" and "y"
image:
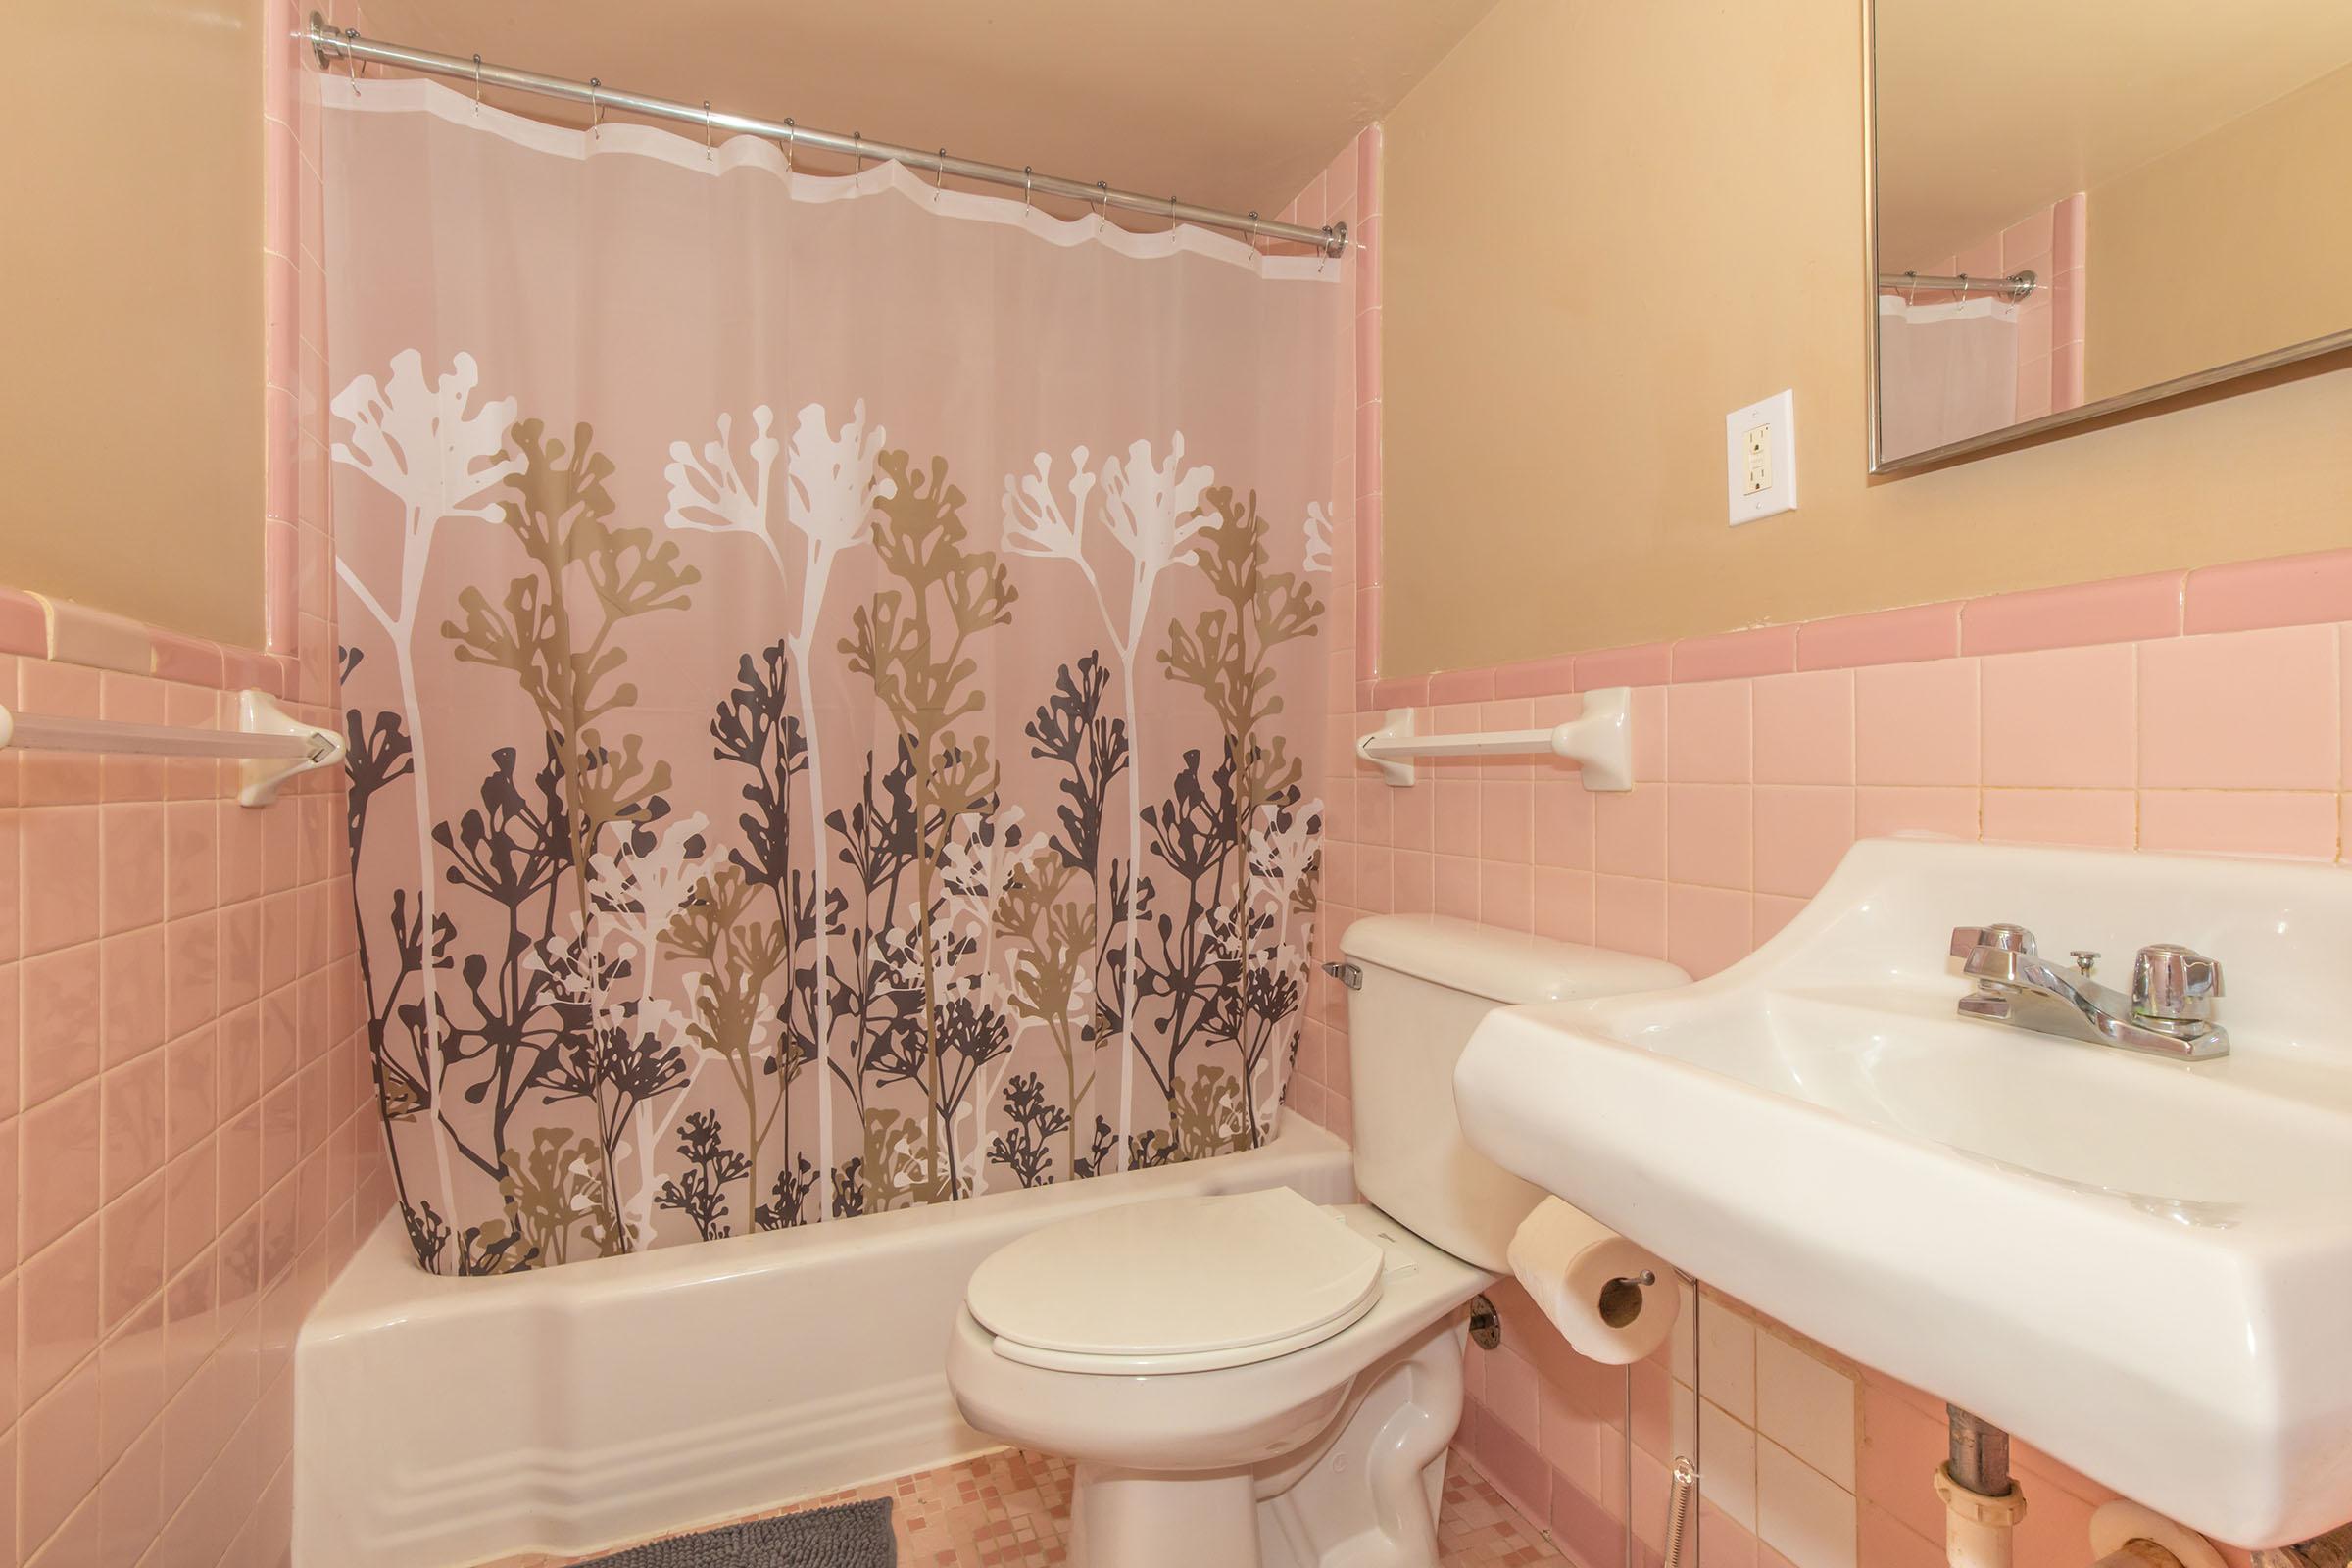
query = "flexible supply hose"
{"x": 1678, "y": 1510}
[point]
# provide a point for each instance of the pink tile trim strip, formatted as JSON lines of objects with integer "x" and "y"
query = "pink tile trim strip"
{"x": 2285, "y": 591}
{"x": 24, "y": 628}
{"x": 187, "y": 659}
{"x": 1759, "y": 651}
{"x": 1649, "y": 665}
{"x": 2242, "y": 595}
{"x": 1884, "y": 637}
{"x": 1462, "y": 686}
{"x": 282, "y": 576}
{"x": 81, "y": 635}
{"x": 1536, "y": 677}
{"x": 66, "y": 633}
{"x": 2124, "y": 610}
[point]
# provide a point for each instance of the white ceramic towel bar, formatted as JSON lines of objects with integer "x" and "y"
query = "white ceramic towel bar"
{"x": 1601, "y": 739}
{"x": 271, "y": 743}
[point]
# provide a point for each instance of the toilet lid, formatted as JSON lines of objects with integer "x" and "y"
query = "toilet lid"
{"x": 1177, "y": 1284}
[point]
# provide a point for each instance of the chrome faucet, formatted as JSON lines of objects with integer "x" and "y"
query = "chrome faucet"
{"x": 2168, "y": 1014}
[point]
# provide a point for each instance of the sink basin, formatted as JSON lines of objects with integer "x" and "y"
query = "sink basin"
{"x": 2142, "y": 1267}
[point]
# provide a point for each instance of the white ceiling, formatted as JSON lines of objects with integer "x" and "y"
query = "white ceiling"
{"x": 1990, "y": 109}
{"x": 1228, "y": 103}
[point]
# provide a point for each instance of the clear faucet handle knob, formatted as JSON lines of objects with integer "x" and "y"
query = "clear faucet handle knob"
{"x": 1967, "y": 938}
{"x": 2174, "y": 984}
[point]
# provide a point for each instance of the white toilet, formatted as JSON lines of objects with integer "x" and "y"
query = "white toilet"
{"x": 1252, "y": 1381}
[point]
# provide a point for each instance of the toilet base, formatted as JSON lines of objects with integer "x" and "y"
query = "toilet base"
{"x": 1139, "y": 1519}
{"x": 1362, "y": 1492}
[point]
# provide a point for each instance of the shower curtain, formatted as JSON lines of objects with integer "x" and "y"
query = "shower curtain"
{"x": 1945, "y": 371}
{"x": 834, "y": 679}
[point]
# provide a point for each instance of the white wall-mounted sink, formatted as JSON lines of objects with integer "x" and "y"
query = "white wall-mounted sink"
{"x": 2144, "y": 1267}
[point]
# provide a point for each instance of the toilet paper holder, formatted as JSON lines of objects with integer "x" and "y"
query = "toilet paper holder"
{"x": 1620, "y": 1300}
{"x": 1620, "y": 1303}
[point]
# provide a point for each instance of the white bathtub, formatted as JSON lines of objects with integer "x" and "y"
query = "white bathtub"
{"x": 441, "y": 1422}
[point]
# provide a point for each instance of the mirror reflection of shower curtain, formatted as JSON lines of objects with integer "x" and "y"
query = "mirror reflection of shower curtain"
{"x": 836, "y": 671}
{"x": 1945, "y": 371}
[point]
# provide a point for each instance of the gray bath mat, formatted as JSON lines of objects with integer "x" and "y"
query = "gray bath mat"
{"x": 855, "y": 1535}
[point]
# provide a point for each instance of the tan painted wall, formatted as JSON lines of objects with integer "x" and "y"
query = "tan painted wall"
{"x": 131, "y": 308}
{"x": 1609, "y": 224}
{"x": 2230, "y": 247}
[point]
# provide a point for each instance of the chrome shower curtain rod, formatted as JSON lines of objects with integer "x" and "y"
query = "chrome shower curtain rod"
{"x": 333, "y": 44}
{"x": 2016, "y": 287}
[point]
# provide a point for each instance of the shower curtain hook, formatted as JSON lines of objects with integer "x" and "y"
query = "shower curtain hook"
{"x": 858, "y": 150}
{"x": 595, "y": 108}
{"x": 1028, "y": 178}
{"x": 791, "y": 139}
{"x": 1253, "y": 231}
{"x": 351, "y": 61}
{"x": 1101, "y": 200}
{"x": 707, "y": 153}
{"x": 1911, "y": 296}
{"x": 939, "y": 176}
{"x": 477, "y": 83}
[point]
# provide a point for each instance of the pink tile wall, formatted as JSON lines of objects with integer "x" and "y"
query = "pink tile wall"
{"x": 185, "y": 1118}
{"x": 2207, "y": 711}
{"x": 186, "y": 1125}
{"x": 1750, "y": 787}
{"x": 2049, "y": 353}
{"x": 2069, "y": 276}
{"x": 1347, "y": 191}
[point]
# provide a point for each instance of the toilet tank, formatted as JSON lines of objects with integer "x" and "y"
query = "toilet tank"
{"x": 1427, "y": 982}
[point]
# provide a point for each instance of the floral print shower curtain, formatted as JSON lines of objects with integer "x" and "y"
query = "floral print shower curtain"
{"x": 834, "y": 679}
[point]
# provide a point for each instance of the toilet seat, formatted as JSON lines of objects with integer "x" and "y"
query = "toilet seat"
{"x": 1177, "y": 1285}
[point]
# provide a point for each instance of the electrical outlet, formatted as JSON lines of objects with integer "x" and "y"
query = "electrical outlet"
{"x": 1759, "y": 449}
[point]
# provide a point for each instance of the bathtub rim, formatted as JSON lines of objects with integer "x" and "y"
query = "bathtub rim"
{"x": 366, "y": 1294}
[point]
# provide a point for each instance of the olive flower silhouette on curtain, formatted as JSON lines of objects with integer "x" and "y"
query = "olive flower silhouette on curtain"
{"x": 833, "y": 681}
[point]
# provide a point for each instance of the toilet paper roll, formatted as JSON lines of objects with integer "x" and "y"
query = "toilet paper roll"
{"x": 1586, "y": 1279}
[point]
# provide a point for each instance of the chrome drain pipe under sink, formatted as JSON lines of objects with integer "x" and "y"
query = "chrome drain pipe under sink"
{"x": 1983, "y": 1504}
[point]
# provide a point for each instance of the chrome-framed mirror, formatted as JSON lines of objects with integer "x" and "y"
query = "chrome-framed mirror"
{"x": 2080, "y": 209}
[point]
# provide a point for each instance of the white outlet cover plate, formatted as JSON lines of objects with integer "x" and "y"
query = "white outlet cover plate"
{"x": 1778, "y": 414}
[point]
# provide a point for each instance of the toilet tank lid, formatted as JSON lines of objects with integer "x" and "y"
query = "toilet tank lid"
{"x": 1507, "y": 966}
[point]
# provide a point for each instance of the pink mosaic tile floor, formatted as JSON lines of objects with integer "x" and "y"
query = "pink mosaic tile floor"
{"x": 1010, "y": 1509}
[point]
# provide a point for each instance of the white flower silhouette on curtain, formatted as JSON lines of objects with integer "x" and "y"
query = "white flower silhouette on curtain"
{"x": 832, "y": 483}
{"x": 709, "y": 493}
{"x": 415, "y": 439}
{"x": 1318, "y": 537}
{"x": 1151, "y": 510}
{"x": 635, "y": 893}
